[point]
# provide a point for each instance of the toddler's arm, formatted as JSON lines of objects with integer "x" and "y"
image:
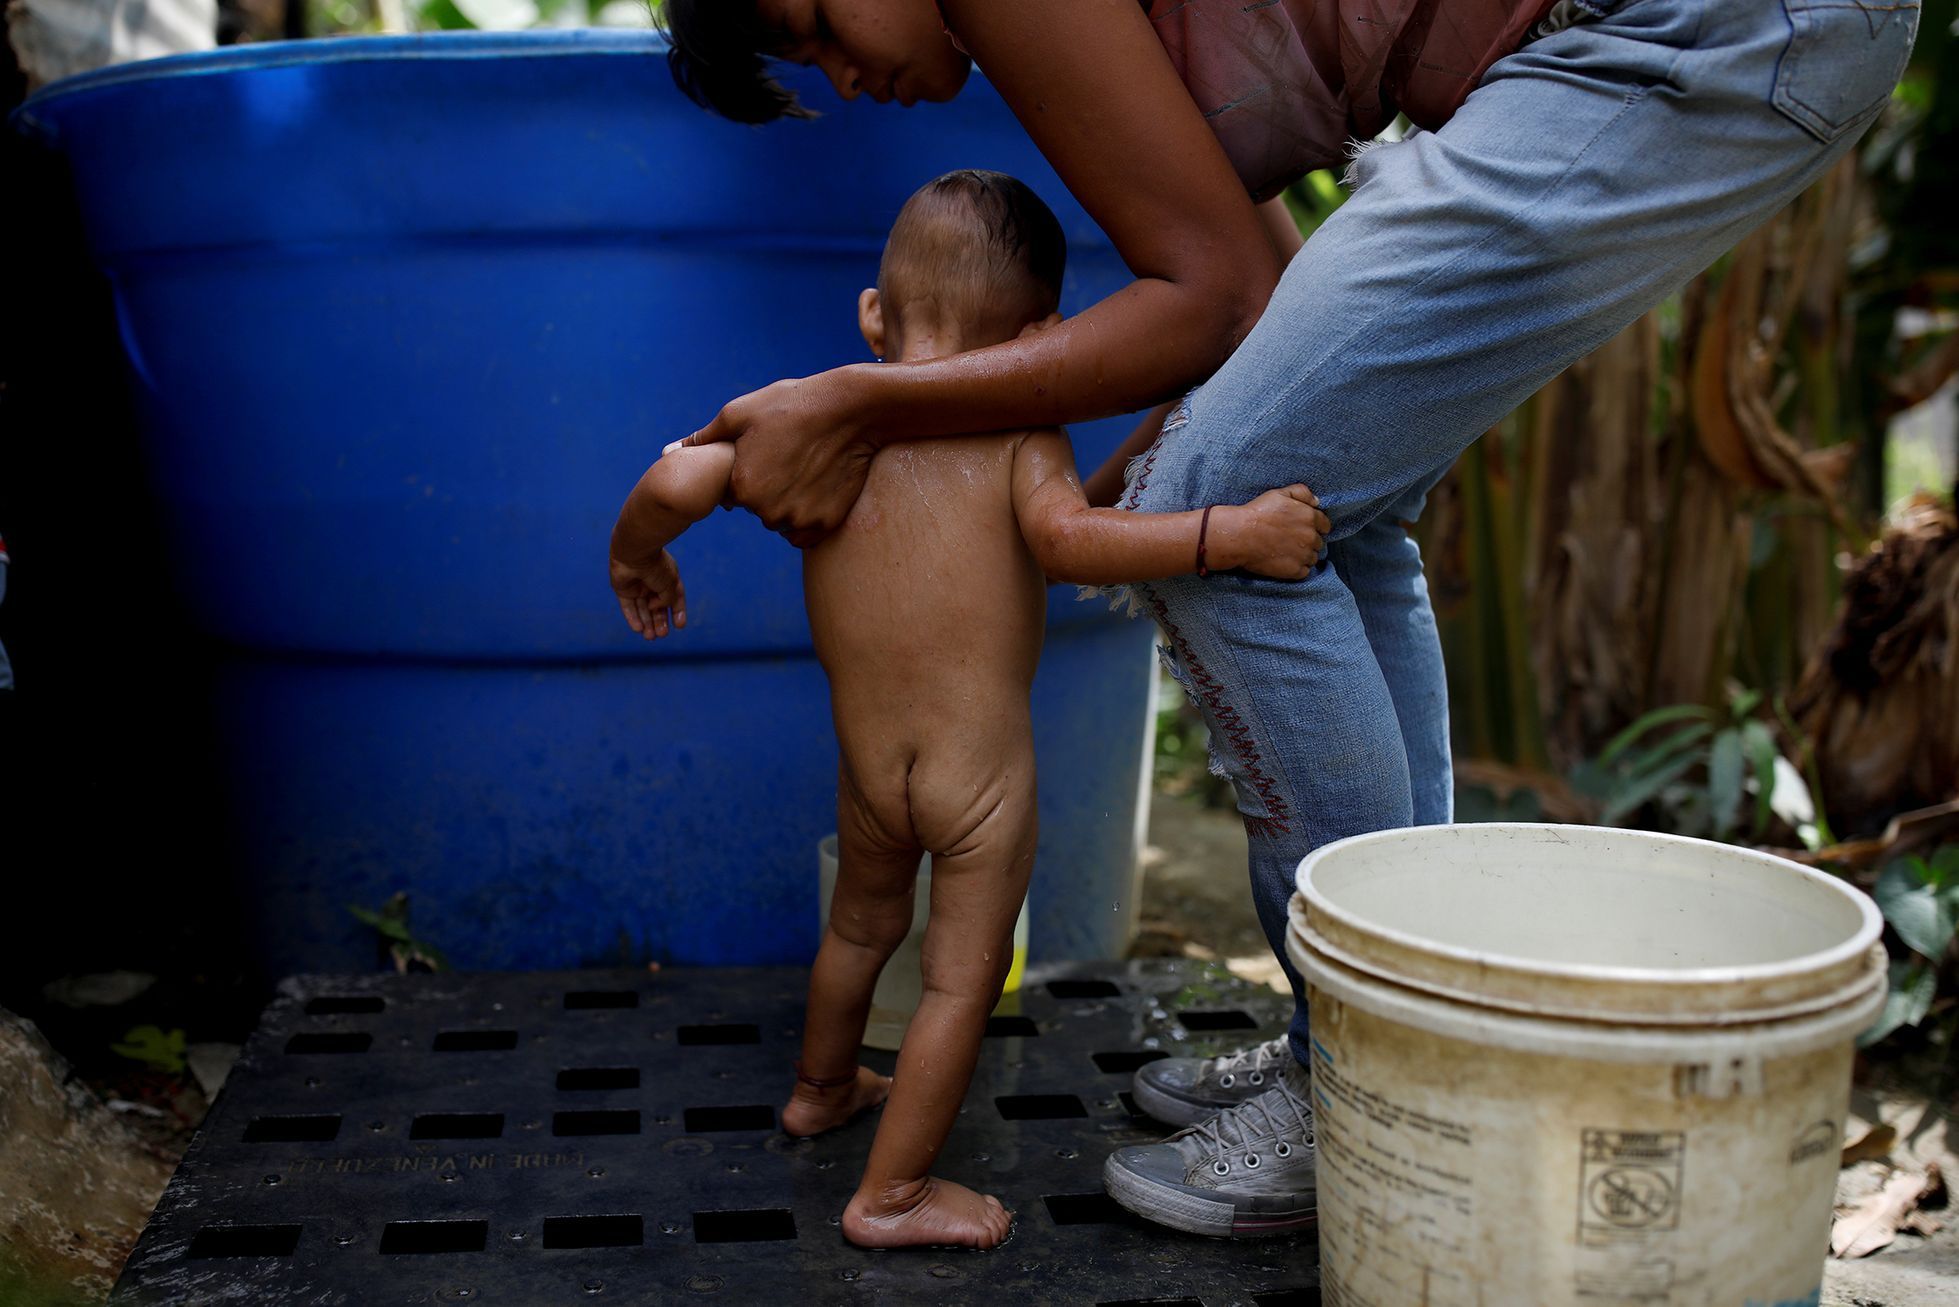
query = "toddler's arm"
{"x": 1279, "y": 534}
{"x": 679, "y": 490}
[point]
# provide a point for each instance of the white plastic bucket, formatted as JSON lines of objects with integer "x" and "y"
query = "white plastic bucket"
{"x": 898, "y": 985}
{"x": 1568, "y": 1064}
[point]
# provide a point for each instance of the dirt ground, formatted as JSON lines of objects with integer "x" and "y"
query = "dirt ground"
{"x": 1195, "y": 903}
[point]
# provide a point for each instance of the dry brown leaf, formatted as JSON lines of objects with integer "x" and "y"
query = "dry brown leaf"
{"x": 1873, "y": 1144}
{"x": 1874, "y": 1223}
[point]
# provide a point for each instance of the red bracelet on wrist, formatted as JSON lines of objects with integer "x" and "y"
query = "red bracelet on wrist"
{"x": 1203, "y": 529}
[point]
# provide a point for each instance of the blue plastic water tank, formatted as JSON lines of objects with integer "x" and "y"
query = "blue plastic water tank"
{"x": 407, "y": 317}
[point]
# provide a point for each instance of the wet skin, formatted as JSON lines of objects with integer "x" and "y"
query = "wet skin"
{"x": 927, "y": 610}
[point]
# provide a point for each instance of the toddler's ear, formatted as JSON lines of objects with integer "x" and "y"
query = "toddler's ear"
{"x": 870, "y": 320}
{"x": 1032, "y": 327}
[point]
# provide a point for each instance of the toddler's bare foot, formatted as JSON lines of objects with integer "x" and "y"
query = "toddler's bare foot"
{"x": 811, "y": 1111}
{"x": 929, "y": 1212}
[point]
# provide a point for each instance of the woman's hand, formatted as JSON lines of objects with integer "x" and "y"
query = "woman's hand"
{"x": 801, "y": 452}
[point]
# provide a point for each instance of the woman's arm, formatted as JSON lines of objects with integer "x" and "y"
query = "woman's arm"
{"x": 1095, "y": 91}
{"x": 1104, "y": 487}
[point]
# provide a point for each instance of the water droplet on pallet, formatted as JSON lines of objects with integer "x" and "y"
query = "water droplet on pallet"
{"x": 849, "y": 1273}
{"x": 943, "y": 1272}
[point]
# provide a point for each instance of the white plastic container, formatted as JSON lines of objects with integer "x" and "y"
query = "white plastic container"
{"x": 1566, "y": 1064}
{"x": 897, "y": 992}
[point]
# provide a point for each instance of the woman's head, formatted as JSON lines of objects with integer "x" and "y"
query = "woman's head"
{"x": 886, "y": 49}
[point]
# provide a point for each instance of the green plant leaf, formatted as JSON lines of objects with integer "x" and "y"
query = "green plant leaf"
{"x": 1724, "y": 781}
{"x": 1636, "y": 792}
{"x": 1646, "y": 722}
{"x": 1921, "y": 915}
{"x": 1913, "y": 987}
{"x": 1942, "y": 871}
{"x": 390, "y": 927}
{"x": 1743, "y": 703}
{"x": 1663, "y": 753}
{"x": 153, "y": 1047}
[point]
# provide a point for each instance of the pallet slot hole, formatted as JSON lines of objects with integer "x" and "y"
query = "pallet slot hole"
{"x": 1152, "y": 1302}
{"x": 338, "y": 1005}
{"x": 434, "y": 1236}
{"x": 1008, "y": 1027}
{"x": 586, "y": 999}
{"x": 292, "y": 1130}
{"x": 457, "y": 1125}
{"x": 1127, "y": 1059}
{"x": 736, "y": 1032}
{"x": 1040, "y": 1107}
{"x": 1084, "y": 989}
{"x": 245, "y": 1241}
{"x": 1230, "y": 1019}
{"x": 598, "y": 1077}
{"x": 1084, "y": 1209}
{"x": 1128, "y": 1101}
{"x": 330, "y": 1041}
{"x": 759, "y": 1225}
{"x": 593, "y": 1232}
{"x": 1287, "y": 1298}
{"x": 595, "y": 1123}
{"x": 475, "y": 1041}
{"x": 705, "y": 1120}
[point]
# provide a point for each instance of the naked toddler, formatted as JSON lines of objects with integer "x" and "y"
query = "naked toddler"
{"x": 927, "y": 607}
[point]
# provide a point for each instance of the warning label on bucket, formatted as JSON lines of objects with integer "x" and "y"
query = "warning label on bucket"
{"x": 1628, "y": 1206}
{"x": 1630, "y": 1181}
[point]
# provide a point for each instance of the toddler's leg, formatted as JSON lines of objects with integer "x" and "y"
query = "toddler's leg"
{"x": 870, "y": 915}
{"x": 977, "y": 888}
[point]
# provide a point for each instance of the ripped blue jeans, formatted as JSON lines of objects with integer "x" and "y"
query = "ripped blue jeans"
{"x": 1591, "y": 173}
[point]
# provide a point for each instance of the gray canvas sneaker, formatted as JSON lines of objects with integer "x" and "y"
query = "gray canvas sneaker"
{"x": 1186, "y": 1090}
{"x": 1247, "y": 1171}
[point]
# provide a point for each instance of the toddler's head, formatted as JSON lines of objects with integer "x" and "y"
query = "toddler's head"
{"x": 975, "y": 258}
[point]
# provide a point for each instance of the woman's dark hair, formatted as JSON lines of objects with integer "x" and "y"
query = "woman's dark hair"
{"x": 718, "y": 57}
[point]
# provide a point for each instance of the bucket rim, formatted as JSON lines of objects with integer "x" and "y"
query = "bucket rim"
{"x": 1606, "y": 1041}
{"x": 1870, "y": 924}
{"x": 416, "y": 47}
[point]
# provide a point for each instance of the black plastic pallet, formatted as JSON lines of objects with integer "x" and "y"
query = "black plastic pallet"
{"x": 610, "y": 1136}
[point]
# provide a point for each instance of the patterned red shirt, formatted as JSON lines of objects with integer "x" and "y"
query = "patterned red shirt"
{"x": 1286, "y": 84}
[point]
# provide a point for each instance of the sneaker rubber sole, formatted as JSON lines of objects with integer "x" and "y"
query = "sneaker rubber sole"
{"x": 1183, "y": 1208}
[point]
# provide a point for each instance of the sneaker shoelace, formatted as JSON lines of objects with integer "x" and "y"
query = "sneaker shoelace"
{"x": 1276, "y": 1109}
{"x": 1257, "y": 1060}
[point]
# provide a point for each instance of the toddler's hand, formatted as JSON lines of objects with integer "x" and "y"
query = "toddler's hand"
{"x": 1280, "y": 534}
{"x": 651, "y": 595}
